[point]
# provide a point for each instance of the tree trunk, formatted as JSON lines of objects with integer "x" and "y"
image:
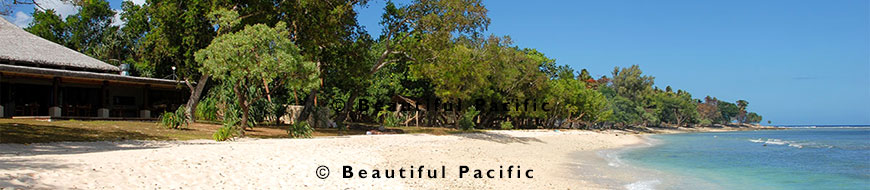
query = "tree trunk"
{"x": 308, "y": 108}
{"x": 348, "y": 106}
{"x": 243, "y": 105}
{"x": 193, "y": 100}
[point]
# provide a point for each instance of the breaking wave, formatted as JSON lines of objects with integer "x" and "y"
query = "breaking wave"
{"x": 790, "y": 143}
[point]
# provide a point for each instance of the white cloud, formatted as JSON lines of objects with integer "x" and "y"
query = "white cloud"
{"x": 61, "y": 8}
{"x": 138, "y": 2}
{"x": 20, "y": 19}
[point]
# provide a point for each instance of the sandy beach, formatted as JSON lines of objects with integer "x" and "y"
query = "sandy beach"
{"x": 293, "y": 163}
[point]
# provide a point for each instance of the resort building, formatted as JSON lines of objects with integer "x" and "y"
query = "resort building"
{"x": 44, "y": 80}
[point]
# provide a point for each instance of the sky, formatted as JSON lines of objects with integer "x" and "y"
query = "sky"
{"x": 796, "y": 62}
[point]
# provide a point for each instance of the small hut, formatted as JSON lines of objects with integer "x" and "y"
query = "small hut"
{"x": 42, "y": 79}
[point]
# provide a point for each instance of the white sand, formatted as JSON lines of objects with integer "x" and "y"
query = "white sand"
{"x": 291, "y": 163}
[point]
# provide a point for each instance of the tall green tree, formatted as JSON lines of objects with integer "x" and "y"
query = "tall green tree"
{"x": 741, "y": 114}
{"x": 178, "y": 29}
{"x": 89, "y": 26}
{"x": 675, "y": 108}
{"x": 419, "y": 31}
{"x": 87, "y": 31}
{"x": 728, "y": 110}
{"x": 753, "y": 117}
{"x": 631, "y": 83}
{"x": 251, "y": 59}
{"x": 571, "y": 100}
{"x": 47, "y": 24}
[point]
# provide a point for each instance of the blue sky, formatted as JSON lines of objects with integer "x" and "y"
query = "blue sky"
{"x": 796, "y": 62}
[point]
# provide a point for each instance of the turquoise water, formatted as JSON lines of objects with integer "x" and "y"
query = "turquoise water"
{"x": 800, "y": 158}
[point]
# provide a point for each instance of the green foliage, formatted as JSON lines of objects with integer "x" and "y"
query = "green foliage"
{"x": 389, "y": 119}
{"x": 87, "y": 27}
{"x": 230, "y": 127}
{"x": 705, "y": 122}
{"x": 466, "y": 122}
{"x": 571, "y": 99}
{"x": 47, "y": 24}
{"x": 300, "y": 129}
{"x": 253, "y": 59}
{"x": 429, "y": 49}
{"x": 728, "y": 110}
{"x": 631, "y": 83}
{"x": 753, "y": 117}
{"x": 207, "y": 109}
{"x": 226, "y": 132}
{"x": 173, "y": 120}
{"x": 675, "y": 108}
{"x": 626, "y": 111}
{"x": 507, "y": 125}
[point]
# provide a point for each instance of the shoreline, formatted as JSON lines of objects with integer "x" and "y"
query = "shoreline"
{"x": 292, "y": 162}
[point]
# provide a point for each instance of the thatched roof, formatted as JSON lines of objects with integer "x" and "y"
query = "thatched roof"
{"x": 21, "y": 46}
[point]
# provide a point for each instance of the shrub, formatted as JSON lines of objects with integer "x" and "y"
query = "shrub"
{"x": 229, "y": 130}
{"x": 706, "y": 122}
{"x": 174, "y": 120}
{"x": 207, "y": 109}
{"x": 467, "y": 120}
{"x": 390, "y": 119}
{"x": 507, "y": 125}
{"x": 300, "y": 129}
{"x": 224, "y": 133}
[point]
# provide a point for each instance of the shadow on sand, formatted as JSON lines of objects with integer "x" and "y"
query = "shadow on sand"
{"x": 15, "y": 139}
{"x": 499, "y": 138}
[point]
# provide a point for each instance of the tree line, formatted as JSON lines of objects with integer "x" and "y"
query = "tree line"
{"x": 245, "y": 61}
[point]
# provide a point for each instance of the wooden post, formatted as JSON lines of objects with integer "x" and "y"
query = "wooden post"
{"x": 104, "y": 94}
{"x": 55, "y": 91}
{"x": 146, "y": 102}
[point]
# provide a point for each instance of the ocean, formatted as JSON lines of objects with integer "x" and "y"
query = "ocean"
{"x": 797, "y": 158}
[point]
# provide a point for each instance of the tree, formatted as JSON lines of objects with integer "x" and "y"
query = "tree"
{"x": 87, "y": 31}
{"x": 424, "y": 31}
{"x": 741, "y": 114}
{"x": 753, "y": 117}
{"x": 251, "y": 59}
{"x": 631, "y": 83}
{"x": 584, "y": 75}
{"x": 47, "y": 24}
{"x": 572, "y": 100}
{"x": 728, "y": 110}
{"x": 178, "y": 30}
{"x": 88, "y": 27}
{"x": 675, "y": 108}
{"x": 625, "y": 111}
{"x": 709, "y": 110}
{"x": 328, "y": 34}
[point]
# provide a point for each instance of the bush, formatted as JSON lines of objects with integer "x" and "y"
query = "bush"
{"x": 507, "y": 125}
{"x": 706, "y": 122}
{"x": 390, "y": 119}
{"x": 207, "y": 109}
{"x": 174, "y": 120}
{"x": 229, "y": 130}
{"x": 300, "y": 129}
{"x": 467, "y": 120}
{"x": 224, "y": 133}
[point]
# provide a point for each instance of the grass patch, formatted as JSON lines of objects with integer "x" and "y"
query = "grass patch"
{"x": 33, "y": 131}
